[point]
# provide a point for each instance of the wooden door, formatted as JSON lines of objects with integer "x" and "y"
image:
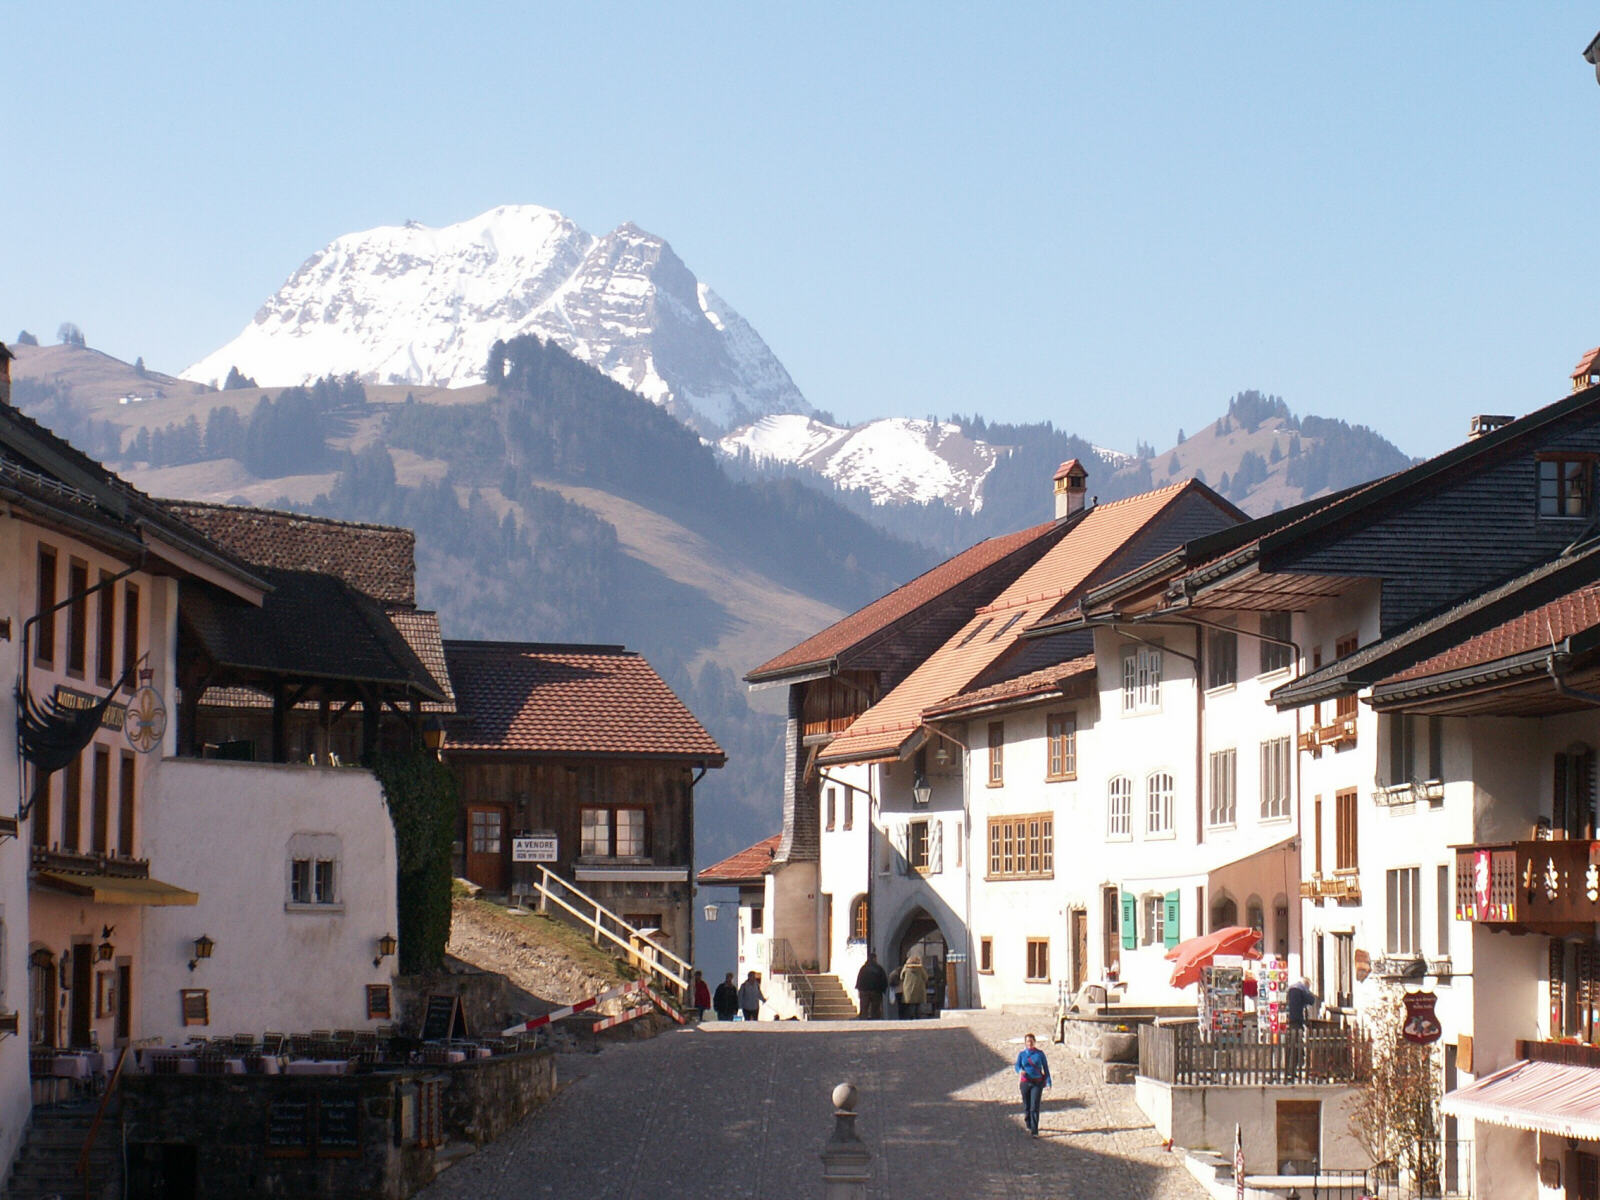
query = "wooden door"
{"x": 1080, "y": 948}
{"x": 1583, "y": 1179}
{"x": 1299, "y": 1136}
{"x": 82, "y": 983}
{"x": 486, "y": 846}
{"x": 825, "y": 943}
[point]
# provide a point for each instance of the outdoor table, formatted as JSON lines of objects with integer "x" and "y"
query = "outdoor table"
{"x": 318, "y": 1066}
{"x": 74, "y": 1066}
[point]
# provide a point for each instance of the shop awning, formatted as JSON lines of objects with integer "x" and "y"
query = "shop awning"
{"x": 1541, "y": 1097}
{"x": 109, "y": 889}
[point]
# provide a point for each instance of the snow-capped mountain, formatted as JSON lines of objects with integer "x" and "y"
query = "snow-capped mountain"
{"x": 413, "y": 304}
{"x": 896, "y": 459}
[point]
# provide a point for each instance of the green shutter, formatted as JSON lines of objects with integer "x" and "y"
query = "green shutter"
{"x": 1169, "y": 921}
{"x": 1130, "y": 916}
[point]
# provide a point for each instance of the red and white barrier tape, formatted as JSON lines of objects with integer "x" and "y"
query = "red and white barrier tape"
{"x": 666, "y": 1005}
{"x": 622, "y": 1016}
{"x": 626, "y": 989}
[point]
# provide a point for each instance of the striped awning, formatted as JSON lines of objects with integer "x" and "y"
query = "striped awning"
{"x": 1541, "y": 1097}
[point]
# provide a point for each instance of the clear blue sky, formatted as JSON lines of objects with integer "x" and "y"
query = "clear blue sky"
{"x": 1113, "y": 216}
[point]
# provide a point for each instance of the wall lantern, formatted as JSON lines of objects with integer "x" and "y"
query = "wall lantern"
{"x": 387, "y": 945}
{"x": 711, "y": 909}
{"x": 104, "y": 951}
{"x": 433, "y": 734}
{"x": 203, "y": 946}
{"x": 921, "y": 792}
{"x": 941, "y": 753}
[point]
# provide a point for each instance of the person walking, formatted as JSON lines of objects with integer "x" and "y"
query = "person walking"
{"x": 702, "y": 995}
{"x": 1033, "y": 1076}
{"x": 871, "y": 983}
{"x": 726, "y": 1001}
{"x": 1301, "y": 1001}
{"x": 750, "y": 996}
{"x": 913, "y": 988}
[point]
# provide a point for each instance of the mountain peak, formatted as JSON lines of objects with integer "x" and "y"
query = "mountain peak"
{"x": 417, "y": 304}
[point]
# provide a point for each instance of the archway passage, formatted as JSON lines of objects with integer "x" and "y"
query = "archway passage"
{"x": 924, "y": 940}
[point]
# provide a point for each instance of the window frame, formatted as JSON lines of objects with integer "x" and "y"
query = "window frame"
{"x": 1038, "y": 961}
{"x": 1345, "y": 705}
{"x": 1022, "y": 846}
{"x": 1160, "y": 805}
{"x": 614, "y": 831}
{"x": 1222, "y": 774}
{"x": 105, "y": 630}
{"x": 1153, "y": 919}
{"x": 47, "y": 592}
{"x": 985, "y": 956}
{"x": 830, "y": 804}
{"x": 1564, "y": 486}
{"x": 1119, "y": 798}
{"x": 1222, "y": 659}
{"x": 77, "y": 664}
{"x": 919, "y": 846}
{"x": 1277, "y": 766}
{"x": 1347, "y": 830}
{"x": 860, "y": 920}
{"x": 315, "y": 873}
{"x": 1061, "y": 746}
{"x": 1142, "y": 670}
{"x": 1403, "y": 911}
{"x": 130, "y": 634}
{"x": 997, "y": 754}
{"x": 1275, "y": 654}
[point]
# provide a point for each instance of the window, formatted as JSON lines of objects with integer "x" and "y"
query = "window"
{"x": 1158, "y": 803}
{"x": 196, "y": 1006}
{"x": 314, "y": 869}
{"x": 40, "y": 820}
{"x": 1010, "y": 621}
{"x": 758, "y": 919}
{"x": 126, "y": 801}
{"x": 986, "y": 956}
{"x": 612, "y": 833}
{"x": 1566, "y": 487}
{"x": 1119, "y": 807}
{"x": 976, "y": 630}
{"x": 105, "y": 628}
{"x": 44, "y": 648}
{"x": 1022, "y": 847}
{"x": 829, "y": 806}
{"x": 1222, "y": 658}
{"x": 917, "y": 846}
{"x": 486, "y": 830}
{"x": 849, "y": 808}
{"x": 1345, "y": 854}
{"x": 1155, "y": 927}
{"x": 1405, "y": 911}
{"x": 1141, "y": 679}
{"x": 1277, "y": 764}
{"x": 1444, "y": 899}
{"x": 1061, "y": 733}
{"x": 1406, "y": 762}
{"x": 100, "y": 813}
{"x": 1344, "y": 975}
{"x": 77, "y": 616}
{"x": 997, "y": 751}
{"x": 1275, "y": 655}
{"x": 1316, "y": 829}
{"x": 858, "y": 919}
{"x": 1224, "y": 787}
{"x": 72, "y": 805}
{"x": 1038, "y": 960}
{"x": 1345, "y": 706}
{"x": 1572, "y": 801}
{"x": 130, "y": 633}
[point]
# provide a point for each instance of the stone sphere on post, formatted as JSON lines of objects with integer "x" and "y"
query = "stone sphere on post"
{"x": 845, "y": 1097}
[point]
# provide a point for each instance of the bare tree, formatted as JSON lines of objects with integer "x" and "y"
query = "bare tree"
{"x": 1398, "y": 1120}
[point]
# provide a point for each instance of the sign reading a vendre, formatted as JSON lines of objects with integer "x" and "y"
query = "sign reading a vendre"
{"x": 536, "y": 848}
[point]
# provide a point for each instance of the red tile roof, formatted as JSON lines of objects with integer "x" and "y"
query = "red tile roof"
{"x": 747, "y": 866}
{"x": 886, "y": 610}
{"x": 420, "y": 629}
{"x": 1035, "y": 683}
{"x": 539, "y": 698}
{"x": 1588, "y": 365}
{"x": 1049, "y": 586}
{"x": 1577, "y": 611}
{"x": 377, "y": 560}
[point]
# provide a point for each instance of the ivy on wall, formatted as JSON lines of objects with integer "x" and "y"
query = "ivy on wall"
{"x": 421, "y": 794}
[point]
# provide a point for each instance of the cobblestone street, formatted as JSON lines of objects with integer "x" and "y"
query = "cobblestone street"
{"x": 738, "y": 1110}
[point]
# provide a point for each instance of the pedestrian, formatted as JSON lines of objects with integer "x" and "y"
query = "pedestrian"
{"x": 895, "y": 1010}
{"x": 702, "y": 995}
{"x": 913, "y": 988}
{"x": 1033, "y": 1076}
{"x": 1301, "y": 1000}
{"x": 750, "y": 997}
{"x": 871, "y": 984}
{"x": 935, "y": 987}
{"x": 726, "y": 1001}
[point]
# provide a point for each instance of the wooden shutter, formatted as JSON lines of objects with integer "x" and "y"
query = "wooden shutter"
{"x": 1558, "y": 800}
{"x": 935, "y": 847}
{"x": 1130, "y": 921}
{"x": 1169, "y": 919}
{"x": 1583, "y": 792}
{"x": 1558, "y": 979}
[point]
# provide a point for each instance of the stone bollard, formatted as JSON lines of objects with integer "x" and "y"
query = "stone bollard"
{"x": 845, "y": 1159}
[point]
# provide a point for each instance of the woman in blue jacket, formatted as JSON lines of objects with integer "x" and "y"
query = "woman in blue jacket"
{"x": 1033, "y": 1072}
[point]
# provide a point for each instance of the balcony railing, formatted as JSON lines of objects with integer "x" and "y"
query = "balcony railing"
{"x": 1540, "y": 883}
{"x": 107, "y": 865}
{"x": 1338, "y": 886}
{"x": 1177, "y": 1054}
{"x": 1568, "y": 1054}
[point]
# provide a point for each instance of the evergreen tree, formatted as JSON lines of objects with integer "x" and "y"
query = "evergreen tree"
{"x": 237, "y": 379}
{"x": 138, "y": 366}
{"x": 70, "y": 335}
{"x": 1181, "y": 438}
{"x": 1172, "y": 464}
{"x": 24, "y": 338}
{"x": 1275, "y": 454}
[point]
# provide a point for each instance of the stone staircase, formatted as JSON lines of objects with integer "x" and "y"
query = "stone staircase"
{"x": 824, "y": 999}
{"x": 46, "y": 1166}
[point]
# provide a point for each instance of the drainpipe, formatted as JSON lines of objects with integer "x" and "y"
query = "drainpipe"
{"x": 1571, "y": 693}
{"x": 688, "y": 821}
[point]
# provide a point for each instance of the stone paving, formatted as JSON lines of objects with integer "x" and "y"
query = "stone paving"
{"x": 737, "y": 1110}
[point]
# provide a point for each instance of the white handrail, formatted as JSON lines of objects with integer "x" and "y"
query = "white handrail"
{"x": 656, "y": 954}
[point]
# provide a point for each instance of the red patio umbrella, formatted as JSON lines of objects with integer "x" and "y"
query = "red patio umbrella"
{"x": 1188, "y": 957}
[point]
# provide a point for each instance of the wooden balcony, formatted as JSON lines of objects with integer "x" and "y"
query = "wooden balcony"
{"x": 1341, "y": 886}
{"x": 109, "y": 865}
{"x": 1176, "y": 1054}
{"x": 1541, "y": 886}
{"x": 1571, "y": 1054}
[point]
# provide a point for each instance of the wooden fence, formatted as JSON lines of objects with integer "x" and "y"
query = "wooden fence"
{"x": 1176, "y": 1054}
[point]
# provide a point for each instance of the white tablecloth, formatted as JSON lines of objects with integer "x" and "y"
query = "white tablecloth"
{"x": 317, "y": 1066}
{"x": 75, "y": 1066}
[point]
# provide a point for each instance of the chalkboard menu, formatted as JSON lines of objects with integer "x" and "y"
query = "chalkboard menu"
{"x": 338, "y": 1125}
{"x": 289, "y": 1128}
{"x": 443, "y": 1019}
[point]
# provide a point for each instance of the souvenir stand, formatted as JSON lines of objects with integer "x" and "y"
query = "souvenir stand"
{"x": 1222, "y": 1013}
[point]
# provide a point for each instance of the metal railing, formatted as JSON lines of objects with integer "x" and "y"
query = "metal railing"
{"x": 785, "y": 962}
{"x": 605, "y": 924}
{"x": 1178, "y": 1055}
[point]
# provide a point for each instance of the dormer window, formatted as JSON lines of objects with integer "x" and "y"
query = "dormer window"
{"x": 1566, "y": 486}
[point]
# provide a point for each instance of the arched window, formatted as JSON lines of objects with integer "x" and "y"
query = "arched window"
{"x": 1158, "y": 803}
{"x": 1119, "y": 807}
{"x": 1255, "y": 916}
{"x": 858, "y": 919}
{"x": 1224, "y": 912}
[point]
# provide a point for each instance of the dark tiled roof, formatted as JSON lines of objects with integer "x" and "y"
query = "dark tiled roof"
{"x": 309, "y": 627}
{"x": 849, "y": 631}
{"x": 1537, "y": 629}
{"x": 538, "y": 698}
{"x": 420, "y": 628}
{"x": 378, "y": 560}
{"x": 747, "y": 866}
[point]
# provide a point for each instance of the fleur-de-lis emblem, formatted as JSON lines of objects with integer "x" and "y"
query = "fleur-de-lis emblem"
{"x": 146, "y": 720}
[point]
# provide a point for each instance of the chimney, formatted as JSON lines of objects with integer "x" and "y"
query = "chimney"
{"x": 1486, "y": 423}
{"x": 1587, "y": 373}
{"x": 1072, "y": 481}
{"x": 5, "y": 373}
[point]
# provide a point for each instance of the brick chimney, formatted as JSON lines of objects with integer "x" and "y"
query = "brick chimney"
{"x": 1071, "y": 481}
{"x": 1486, "y": 423}
{"x": 5, "y": 373}
{"x": 1587, "y": 372}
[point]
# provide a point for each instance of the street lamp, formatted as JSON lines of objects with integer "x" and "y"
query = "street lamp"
{"x": 921, "y": 791}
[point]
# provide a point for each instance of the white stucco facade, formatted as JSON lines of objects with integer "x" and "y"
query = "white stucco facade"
{"x": 231, "y": 832}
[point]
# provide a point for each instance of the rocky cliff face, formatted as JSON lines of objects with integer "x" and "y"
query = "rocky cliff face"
{"x": 414, "y": 305}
